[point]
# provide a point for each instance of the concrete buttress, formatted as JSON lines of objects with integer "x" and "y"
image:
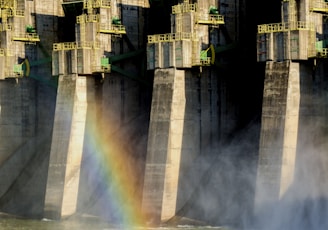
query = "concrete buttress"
{"x": 73, "y": 103}
{"x": 279, "y": 132}
{"x": 164, "y": 144}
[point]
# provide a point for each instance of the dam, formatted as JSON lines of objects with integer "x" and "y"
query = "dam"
{"x": 157, "y": 112}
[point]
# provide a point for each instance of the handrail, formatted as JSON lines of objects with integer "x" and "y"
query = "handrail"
{"x": 210, "y": 18}
{"x": 323, "y": 52}
{"x": 201, "y": 62}
{"x": 9, "y": 53}
{"x": 206, "y": 61}
{"x": 5, "y": 3}
{"x": 170, "y": 37}
{"x": 269, "y": 28}
{"x": 318, "y": 5}
{"x": 284, "y": 27}
{"x": 112, "y": 28}
{"x": 75, "y": 45}
{"x": 87, "y": 18}
{"x": 20, "y": 13}
{"x": 12, "y": 12}
{"x": 101, "y": 68}
{"x": 64, "y": 46}
{"x": 5, "y": 27}
{"x": 6, "y": 13}
{"x": 5, "y": 52}
{"x": 96, "y": 4}
{"x": 105, "y": 3}
{"x": 27, "y": 36}
{"x": 184, "y": 8}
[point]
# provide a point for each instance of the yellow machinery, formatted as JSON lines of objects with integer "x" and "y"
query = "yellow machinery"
{"x": 115, "y": 27}
{"x": 319, "y": 6}
{"x": 23, "y": 69}
{"x": 207, "y": 59}
{"x": 183, "y": 44}
{"x": 92, "y": 23}
{"x": 11, "y": 12}
{"x": 293, "y": 39}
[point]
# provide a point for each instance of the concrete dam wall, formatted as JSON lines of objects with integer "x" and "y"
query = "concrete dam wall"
{"x": 105, "y": 110}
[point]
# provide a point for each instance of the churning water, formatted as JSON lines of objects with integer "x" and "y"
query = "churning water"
{"x": 85, "y": 223}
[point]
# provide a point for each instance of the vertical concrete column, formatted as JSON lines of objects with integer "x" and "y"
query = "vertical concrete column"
{"x": 74, "y": 93}
{"x": 290, "y": 128}
{"x": 278, "y": 141}
{"x": 164, "y": 144}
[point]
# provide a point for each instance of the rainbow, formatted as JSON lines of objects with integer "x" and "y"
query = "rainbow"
{"x": 116, "y": 173}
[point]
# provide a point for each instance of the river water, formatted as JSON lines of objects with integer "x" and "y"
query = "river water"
{"x": 85, "y": 223}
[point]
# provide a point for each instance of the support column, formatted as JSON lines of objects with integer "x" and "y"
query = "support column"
{"x": 74, "y": 94}
{"x": 279, "y": 132}
{"x": 164, "y": 145}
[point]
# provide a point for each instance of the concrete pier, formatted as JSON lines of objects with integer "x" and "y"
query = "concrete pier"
{"x": 164, "y": 144}
{"x": 25, "y": 143}
{"x": 283, "y": 88}
{"x": 181, "y": 130}
{"x": 184, "y": 119}
{"x": 74, "y": 101}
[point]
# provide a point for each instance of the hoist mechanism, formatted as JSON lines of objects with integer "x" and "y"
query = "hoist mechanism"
{"x": 207, "y": 57}
{"x": 23, "y": 69}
